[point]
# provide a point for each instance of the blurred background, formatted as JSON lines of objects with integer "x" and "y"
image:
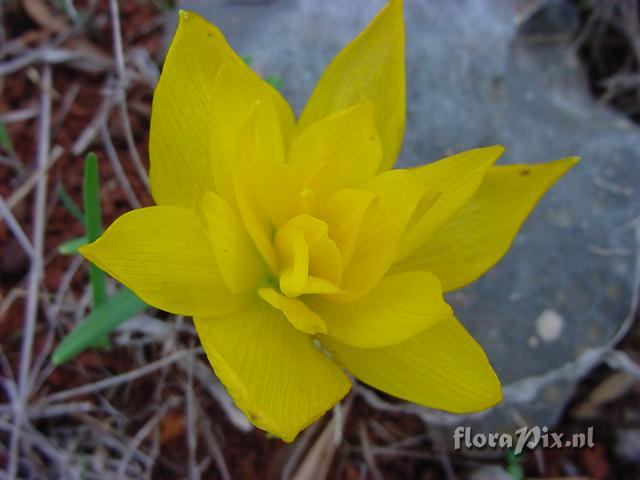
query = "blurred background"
{"x": 545, "y": 78}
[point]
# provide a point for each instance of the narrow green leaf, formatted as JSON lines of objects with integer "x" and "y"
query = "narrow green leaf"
{"x": 93, "y": 223}
{"x": 70, "y": 247}
{"x": 70, "y": 205}
{"x": 514, "y": 465}
{"x": 121, "y": 306}
{"x": 5, "y": 139}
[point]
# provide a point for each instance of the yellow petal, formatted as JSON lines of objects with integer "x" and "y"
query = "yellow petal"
{"x": 277, "y": 188}
{"x": 346, "y": 144}
{"x": 293, "y": 260}
{"x": 321, "y": 285}
{"x": 401, "y": 306}
{"x": 372, "y": 68}
{"x": 164, "y": 255}
{"x": 398, "y": 193}
{"x": 183, "y": 115}
{"x": 181, "y": 112}
{"x": 235, "y": 89}
{"x": 344, "y": 212}
{"x": 267, "y": 190}
{"x": 274, "y": 373}
{"x": 239, "y": 262}
{"x": 298, "y": 314}
{"x": 482, "y": 232}
{"x": 457, "y": 178}
{"x": 250, "y": 152}
{"x": 442, "y": 367}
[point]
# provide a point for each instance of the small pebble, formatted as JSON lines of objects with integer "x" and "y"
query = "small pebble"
{"x": 549, "y": 325}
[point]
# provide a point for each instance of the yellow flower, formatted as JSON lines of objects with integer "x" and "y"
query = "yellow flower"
{"x": 296, "y": 248}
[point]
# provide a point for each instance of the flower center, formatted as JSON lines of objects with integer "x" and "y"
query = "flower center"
{"x": 309, "y": 261}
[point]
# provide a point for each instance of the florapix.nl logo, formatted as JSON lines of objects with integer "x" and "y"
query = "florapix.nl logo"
{"x": 525, "y": 437}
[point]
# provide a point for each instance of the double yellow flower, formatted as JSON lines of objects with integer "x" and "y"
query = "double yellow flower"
{"x": 294, "y": 245}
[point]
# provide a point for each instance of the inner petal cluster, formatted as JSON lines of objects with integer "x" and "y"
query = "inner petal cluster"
{"x": 309, "y": 260}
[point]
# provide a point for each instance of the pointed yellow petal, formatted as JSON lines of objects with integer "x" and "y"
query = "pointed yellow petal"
{"x": 457, "y": 178}
{"x": 164, "y": 256}
{"x": 250, "y": 153}
{"x": 345, "y": 144}
{"x": 235, "y": 89}
{"x": 442, "y": 367}
{"x": 398, "y": 193}
{"x": 268, "y": 191}
{"x": 239, "y": 262}
{"x": 344, "y": 212}
{"x": 274, "y": 373}
{"x": 482, "y": 232}
{"x": 400, "y": 307}
{"x": 372, "y": 68}
{"x": 298, "y": 314}
{"x": 183, "y": 114}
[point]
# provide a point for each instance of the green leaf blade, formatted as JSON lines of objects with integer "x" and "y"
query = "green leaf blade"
{"x": 93, "y": 223}
{"x": 95, "y": 328}
{"x": 5, "y": 139}
{"x": 70, "y": 247}
{"x": 70, "y": 205}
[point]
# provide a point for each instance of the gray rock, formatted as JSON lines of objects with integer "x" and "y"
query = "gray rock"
{"x": 481, "y": 72}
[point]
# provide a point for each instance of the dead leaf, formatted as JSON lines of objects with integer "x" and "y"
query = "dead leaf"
{"x": 172, "y": 426}
{"x": 43, "y": 14}
{"x": 89, "y": 57}
{"x": 611, "y": 388}
{"x": 319, "y": 457}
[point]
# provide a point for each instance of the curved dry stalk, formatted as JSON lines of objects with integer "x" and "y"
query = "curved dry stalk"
{"x": 35, "y": 273}
{"x": 121, "y": 91}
